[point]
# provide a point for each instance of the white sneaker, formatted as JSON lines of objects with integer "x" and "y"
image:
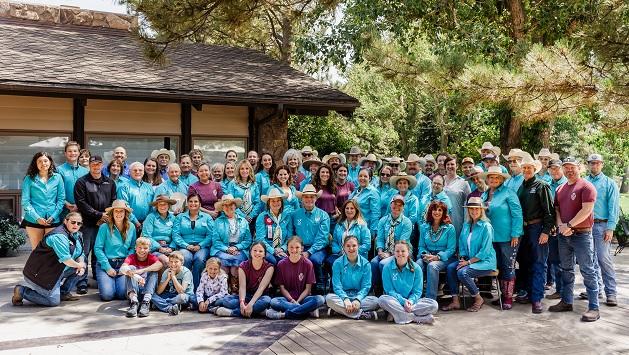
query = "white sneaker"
{"x": 368, "y": 315}
{"x": 427, "y": 319}
{"x": 223, "y": 312}
{"x": 273, "y": 314}
{"x": 315, "y": 313}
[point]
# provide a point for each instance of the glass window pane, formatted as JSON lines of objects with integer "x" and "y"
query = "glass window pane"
{"x": 138, "y": 148}
{"x": 17, "y": 152}
{"x": 214, "y": 149}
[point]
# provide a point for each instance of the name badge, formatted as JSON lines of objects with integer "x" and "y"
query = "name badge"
{"x": 533, "y": 190}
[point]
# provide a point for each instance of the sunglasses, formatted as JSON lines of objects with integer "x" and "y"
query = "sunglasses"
{"x": 385, "y": 175}
{"x": 76, "y": 223}
{"x": 306, "y": 155}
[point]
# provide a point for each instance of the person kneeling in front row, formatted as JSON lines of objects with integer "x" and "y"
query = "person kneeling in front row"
{"x": 176, "y": 286}
{"x": 140, "y": 270}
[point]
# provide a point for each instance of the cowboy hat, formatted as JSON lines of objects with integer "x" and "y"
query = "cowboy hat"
{"x": 554, "y": 156}
{"x": 163, "y": 198}
{"x": 308, "y": 149}
{"x": 516, "y": 153}
{"x": 309, "y": 189}
{"x": 430, "y": 158}
{"x": 119, "y": 204}
{"x": 528, "y": 160}
{"x": 371, "y": 157}
{"x": 355, "y": 151}
{"x": 225, "y": 200}
{"x": 475, "y": 172}
{"x": 494, "y": 170}
{"x": 396, "y": 160}
{"x": 341, "y": 158}
{"x": 544, "y": 152}
{"x": 475, "y": 202}
{"x": 399, "y": 198}
{"x": 273, "y": 193}
{"x": 412, "y": 181}
{"x": 310, "y": 161}
{"x": 489, "y": 146}
{"x": 158, "y": 152}
{"x": 414, "y": 158}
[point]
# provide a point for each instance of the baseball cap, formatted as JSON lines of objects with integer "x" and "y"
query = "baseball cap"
{"x": 467, "y": 160}
{"x": 398, "y": 197}
{"x": 96, "y": 159}
{"x": 570, "y": 160}
{"x": 595, "y": 157}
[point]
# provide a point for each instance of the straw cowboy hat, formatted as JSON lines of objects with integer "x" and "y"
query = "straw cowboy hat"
{"x": 312, "y": 160}
{"x": 516, "y": 153}
{"x": 163, "y": 198}
{"x": 371, "y": 157}
{"x": 430, "y": 158}
{"x": 475, "y": 172}
{"x": 226, "y": 200}
{"x": 158, "y": 152}
{"x": 396, "y": 160}
{"x": 119, "y": 204}
{"x": 528, "y": 160}
{"x": 273, "y": 193}
{"x": 412, "y": 181}
{"x": 355, "y": 151}
{"x": 494, "y": 170}
{"x": 414, "y": 158}
{"x": 544, "y": 152}
{"x": 489, "y": 146}
{"x": 475, "y": 202}
{"x": 309, "y": 189}
{"x": 327, "y": 158}
{"x": 308, "y": 149}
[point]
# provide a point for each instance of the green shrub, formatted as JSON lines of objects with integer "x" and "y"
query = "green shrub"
{"x": 11, "y": 237}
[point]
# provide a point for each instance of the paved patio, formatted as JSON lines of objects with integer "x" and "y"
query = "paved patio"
{"x": 93, "y": 327}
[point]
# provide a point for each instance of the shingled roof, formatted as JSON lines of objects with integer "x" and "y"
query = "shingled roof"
{"x": 104, "y": 62}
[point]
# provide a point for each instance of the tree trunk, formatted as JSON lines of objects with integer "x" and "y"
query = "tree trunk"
{"x": 287, "y": 40}
{"x": 511, "y": 132}
{"x": 516, "y": 9}
{"x": 546, "y": 132}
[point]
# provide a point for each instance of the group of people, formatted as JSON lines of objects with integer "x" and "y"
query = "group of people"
{"x": 280, "y": 238}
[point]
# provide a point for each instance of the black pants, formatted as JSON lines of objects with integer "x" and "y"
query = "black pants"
{"x": 89, "y": 237}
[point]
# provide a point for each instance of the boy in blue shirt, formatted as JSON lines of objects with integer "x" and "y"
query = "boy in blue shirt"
{"x": 175, "y": 288}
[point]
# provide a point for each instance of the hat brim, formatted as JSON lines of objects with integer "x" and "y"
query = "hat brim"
{"x": 300, "y": 194}
{"x": 362, "y": 161}
{"x": 168, "y": 201}
{"x": 537, "y": 165}
{"x": 218, "y": 206}
{"x": 476, "y": 206}
{"x": 266, "y": 198}
{"x": 340, "y": 157}
{"x": 412, "y": 181}
{"x": 308, "y": 163}
{"x": 487, "y": 174}
{"x": 128, "y": 209}
{"x": 170, "y": 153}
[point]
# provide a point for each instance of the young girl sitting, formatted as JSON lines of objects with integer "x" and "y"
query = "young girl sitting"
{"x": 212, "y": 287}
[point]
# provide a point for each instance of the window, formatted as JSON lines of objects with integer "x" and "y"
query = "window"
{"x": 214, "y": 149}
{"x": 138, "y": 148}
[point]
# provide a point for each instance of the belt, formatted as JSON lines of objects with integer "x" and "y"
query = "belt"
{"x": 581, "y": 230}
{"x": 600, "y": 220}
{"x": 533, "y": 221}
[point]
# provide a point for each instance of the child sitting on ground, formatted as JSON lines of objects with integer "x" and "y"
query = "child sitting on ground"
{"x": 175, "y": 288}
{"x": 212, "y": 287}
{"x": 141, "y": 270}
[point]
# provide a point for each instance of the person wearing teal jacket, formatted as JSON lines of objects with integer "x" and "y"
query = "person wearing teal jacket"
{"x": 114, "y": 242}
{"x": 385, "y": 190}
{"x": 43, "y": 198}
{"x": 172, "y": 184}
{"x": 436, "y": 194}
{"x": 351, "y": 282}
{"x": 351, "y": 222}
{"x": 245, "y": 188}
{"x": 282, "y": 180}
{"x": 403, "y": 281}
{"x": 138, "y": 194}
{"x": 187, "y": 176}
{"x": 368, "y": 199}
{"x": 158, "y": 227}
{"x": 404, "y": 184}
{"x": 71, "y": 171}
{"x": 263, "y": 177}
{"x": 477, "y": 257}
{"x": 273, "y": 226}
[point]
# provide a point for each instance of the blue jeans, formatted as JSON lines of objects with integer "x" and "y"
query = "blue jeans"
{"x": 228, "y": 260}
{"x": 318, "y": 258}
{"x": 466, "y": 276}
{"x": 89, "y": 237}
{"x": 165, "y": 300}
{"x": 505, "y": 255}
{"x": 233, "y": 302}
{"x": 432, "y": 270}
{"x": 605, "y": 265}
{"x": 331, "y": 259}
{"x": 150, "y": 282}
{"x": 110, "y": 288}
{"x": 195, "y": 262}
{"x": 51, "y": 298}
{"x": 581, "y": 247}
{"x": 377, "y": 265}
{"x": 538, "y": 254}
{"x": 273, "y": 259}
{"x": 297, "y": 311}
{"x": 554, "y": 264}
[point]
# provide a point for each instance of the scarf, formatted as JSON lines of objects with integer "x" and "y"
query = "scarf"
{"x": 247, "y": 200}
{"x": 275, "y": 235}
{"x": 391, "y": 237}
{"x": 348, "y": 227}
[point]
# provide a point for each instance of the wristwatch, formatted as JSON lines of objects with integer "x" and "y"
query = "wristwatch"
{"x": 569, "y": 225}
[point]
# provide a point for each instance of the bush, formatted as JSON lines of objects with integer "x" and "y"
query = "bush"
{"x": 11, "y": 237}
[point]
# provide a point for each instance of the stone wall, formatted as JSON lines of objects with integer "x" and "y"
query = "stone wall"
{"x": 67, "y": 15}
{"x": 272, "y": 135}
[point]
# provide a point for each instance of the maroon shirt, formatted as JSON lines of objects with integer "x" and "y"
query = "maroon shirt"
{"x": 327, "y": 201}
{"x": 569, "y": 199}
{"x": 209, "y": 193}
{"x": 253, "y": 276}
{"x": 343, "y": 192}
{"x": 297, "y": 179}
{"x": 295, "y": 276}
{"x": 133, "y": 260}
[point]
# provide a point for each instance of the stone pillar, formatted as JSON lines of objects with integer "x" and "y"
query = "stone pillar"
{"x": 271, "y": 135}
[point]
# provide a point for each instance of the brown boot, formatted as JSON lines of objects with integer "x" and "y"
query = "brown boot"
{"x": 508, "y": 295}
{"x": 233, "y": 284}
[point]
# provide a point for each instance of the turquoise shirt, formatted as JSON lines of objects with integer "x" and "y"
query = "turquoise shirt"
{"x": 61, "y": 245}
{"x": 386, "y": 194}
{"x": 607, "y": 205}
{"x": 403, "y": 284}
{"x": 111, "y": 245}
{"x": 479, "y": 245}
{"x": 221, "y": 236}
{"x": 502, "y": 168}
{"x": 291, "y": 203}
{"x": 238, "y": 192}
{"x": 266, "y": 227}
{"x": 402, "y": 231}
{"x": 70, "y": 174}
{"x": 423, "y": 205}
{"x": 359, "y": 230}
{"x": 304, "y": 182}
{"x": 423, "y": 187}
{"x": 443, "y": 243}
{"x": 188, "y": 179}
{"x": 225, "y": 185}
{"x": 514, "y": 182}
{"x": 264, "y": 181}
{"x": 121, "y": 183}
{"x": 545, "y": 177}
{"x": 157, "y": 228}
{"x": 352, "y": 173}
{"x": 411, "y": 207}
{"x": 43, "y": 199}
{"x": 554, "y": 184}
{"x": 368, "y": 200}
{"x": 168, "y": 187}
{"x": 184, "y": 277}
{"x": 505, "y": 213}
{"x": 351, "y": 281}
{"x": 313, "y": 227}
{"x": 201, "y": 235}
{"x": 139, "y": 195}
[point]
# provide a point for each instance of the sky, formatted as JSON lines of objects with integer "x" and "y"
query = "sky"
{"x": 100, "y": 5}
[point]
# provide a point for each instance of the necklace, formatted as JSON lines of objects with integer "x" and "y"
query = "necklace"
{"x": 435, "y": 236}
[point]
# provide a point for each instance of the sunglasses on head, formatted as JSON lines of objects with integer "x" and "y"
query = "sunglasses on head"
{"x": 76, "y": 223}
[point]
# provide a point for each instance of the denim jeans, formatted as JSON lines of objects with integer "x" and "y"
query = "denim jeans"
{"x": 605, "y": 265}
{"x": 369, "y": 303}
{"x": 297, "y": 311}
{"x": 150, "y": 282}
{"x": 165, "y": 300}
{"x": 89, "y": 237}
{"x": 318, "y": 258}
{"x": 272, "y": 258}
{"x": 581, "y": 247}
{"x": 554, "y": 264}
{"x": 505, "y": 256}
{"x": 195, "y": 262}
{"x": 233, "y": 302}
{"x": 228, "y": 260}
{"x": 466, "y": 276}
{"x": 51, "y": 298}
{"x": 432, "y": 270}
{"x": 110, "y": 288}
{"x": 331, "y": 259}
{"x": 377, "y": 264}
{"x": 422, "y": 308}
{"x": 538, "y": 254}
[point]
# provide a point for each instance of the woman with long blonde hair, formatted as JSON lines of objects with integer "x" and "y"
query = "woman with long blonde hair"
{"x": 244, "y": 187}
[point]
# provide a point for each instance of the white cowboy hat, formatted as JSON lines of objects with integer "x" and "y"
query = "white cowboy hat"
{"x": 355, "y": 151}
{"x": 528, "y": 160}
{"x": 544, "y": 152}
{"x": 475, "y": 202}
{"x": 516, "y": 153}
{"x": 158, "y": 152}
{"x": 309, "y": 189}
{"x": 476, "y": 171}
{"x": 371, "y": 157}
{"x": 430, "y": 158}
{"x": 414, "y": 158}
{"x": 273, "y": 193}
{"x": 227, "y": 199}
{"x": 395, "y": 160}
{"x": 412, "y": 181}
{"x": 119, "y": 204}
{"x": 313, "y": 160}
{"x": 494, "y": 170}
{"x": 327, "y": 158}
{"x": 308, "y": 149}
{"x": 489, "y": 146}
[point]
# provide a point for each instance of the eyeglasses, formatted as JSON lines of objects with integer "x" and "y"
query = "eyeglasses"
{"x": 76, "y": 223}
{"x": 394, "y": 165}
{"x": 385, "y": 175}
{"x": 306, "y": 155}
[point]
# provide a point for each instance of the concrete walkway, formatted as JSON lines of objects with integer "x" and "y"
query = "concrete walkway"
{"x": 93, "y": 327}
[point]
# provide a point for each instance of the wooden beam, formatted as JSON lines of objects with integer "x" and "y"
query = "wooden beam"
{"x": 252, "y": 142}
{"x": 78, "y": 120}
{"x": 186, "y": 128}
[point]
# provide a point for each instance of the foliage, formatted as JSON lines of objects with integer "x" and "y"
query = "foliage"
{"x": 325, "y": 134}
{"x": 11, "y": 237}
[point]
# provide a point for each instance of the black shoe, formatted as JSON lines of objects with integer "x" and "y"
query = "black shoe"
{"x": 81, "y": 290}
{"x": 133, "y": 310}
{"x": 144, "y": 309}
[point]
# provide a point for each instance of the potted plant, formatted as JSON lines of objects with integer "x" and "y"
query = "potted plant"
{"x": 11, "y": 237}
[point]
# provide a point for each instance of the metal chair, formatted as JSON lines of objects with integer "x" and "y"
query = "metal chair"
{"x": 494, "y": 278}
